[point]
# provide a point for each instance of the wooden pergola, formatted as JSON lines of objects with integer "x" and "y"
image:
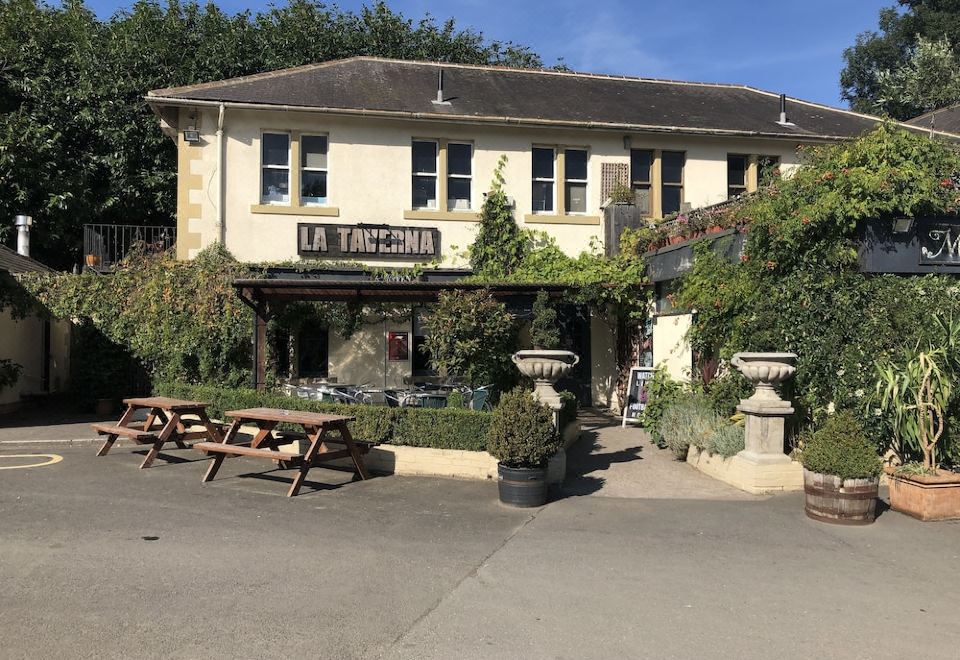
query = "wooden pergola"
{"x": 267, "y": 296}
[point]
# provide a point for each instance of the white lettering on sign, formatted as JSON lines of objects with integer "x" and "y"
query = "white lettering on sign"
{"x": 943, "y": 241}
{"x": 367, "y": 240}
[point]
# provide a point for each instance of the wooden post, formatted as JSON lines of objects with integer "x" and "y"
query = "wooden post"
{"x": 260, "y": 351}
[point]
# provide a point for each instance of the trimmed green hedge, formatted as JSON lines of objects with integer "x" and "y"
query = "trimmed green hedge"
{"x": 438, "y": 428}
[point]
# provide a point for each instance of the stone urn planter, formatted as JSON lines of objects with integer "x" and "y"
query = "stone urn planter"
{"x": 840, "y": 501}
{"x": 765, "y": 370}
{"x": 925, "y": 496}
{"x": 545, "y": 368}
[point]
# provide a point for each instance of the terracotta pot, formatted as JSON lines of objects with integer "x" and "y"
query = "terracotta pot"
{"x": 714, "y": 229}
{"x": 105, "y": 407}
{"x": 927, "y": 497}
{"x": 92, "y": 260}
{"x": 676, "y": 239}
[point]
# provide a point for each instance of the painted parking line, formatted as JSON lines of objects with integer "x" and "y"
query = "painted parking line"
{"x": 50, "y": 460}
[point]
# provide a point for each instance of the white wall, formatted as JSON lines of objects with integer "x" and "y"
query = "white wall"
{"x": 670, "y": 346}
{"x": 22, "y": 342}
{"x": 369, "y": 177}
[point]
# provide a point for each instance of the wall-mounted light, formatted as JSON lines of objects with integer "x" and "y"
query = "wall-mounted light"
{"x": 191, "y": 136}
{"x": 902, "y": 225}
{"x": 627, "y": 142}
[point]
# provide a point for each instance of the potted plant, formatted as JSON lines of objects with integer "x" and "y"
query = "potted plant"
{"x": 841, "y": 472}
{"x": 915, "y": 393}
{"x": 546, "y": 363}
{"x": 522, "y": 438}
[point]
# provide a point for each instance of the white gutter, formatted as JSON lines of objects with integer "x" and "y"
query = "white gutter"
{"x": 221, "y": 180}
{"x": 509, "y": 121}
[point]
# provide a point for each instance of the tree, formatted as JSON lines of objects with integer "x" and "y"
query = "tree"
{"x": 78, "y": 144}
{"x": 500, "y": 246}
{"x": 891, "y": 48}
{"x": 930, "y": 79}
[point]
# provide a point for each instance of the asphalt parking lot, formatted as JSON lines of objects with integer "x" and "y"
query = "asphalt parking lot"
{"x": 100, "y": 559}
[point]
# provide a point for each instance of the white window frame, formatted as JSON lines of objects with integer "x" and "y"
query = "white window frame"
{"x": 468, "y": 177}
{"x": 289, "y": 168}
{"x": 553, "y": 180}
{"x": 324, "y": 201}
{"x": 585, "y": 182}
{"x": 435, "y": 174}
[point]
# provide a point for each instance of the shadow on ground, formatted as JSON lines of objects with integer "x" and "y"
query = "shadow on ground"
{"x": 589, "y": 455}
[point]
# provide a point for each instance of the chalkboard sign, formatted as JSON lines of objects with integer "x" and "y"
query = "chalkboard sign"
{"x": 939, "y": 243}
{"x": 640, "y": 378}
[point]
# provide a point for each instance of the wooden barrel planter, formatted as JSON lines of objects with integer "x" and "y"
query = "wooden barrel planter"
{"x": 839, "y": 501}
{"x": 523, "y": 487}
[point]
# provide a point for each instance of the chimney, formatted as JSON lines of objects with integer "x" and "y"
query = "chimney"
{"x": 23, "y": 223}
{"x": 439, "y": 100}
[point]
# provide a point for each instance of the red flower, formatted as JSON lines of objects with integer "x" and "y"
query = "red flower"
{"x": 805, "y": 221}
{"x": 771, "y": 265}
{"x": 946, "y": 183}
{"x": 744, "y": 258}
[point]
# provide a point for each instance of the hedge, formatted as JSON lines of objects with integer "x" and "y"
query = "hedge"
{"x": 437, "y": 428}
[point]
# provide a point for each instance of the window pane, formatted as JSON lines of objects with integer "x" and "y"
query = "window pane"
{"x": 458, "y": 194}
{"x": 640, "y": 162}
{"x": 576, "y": 197}
{"x": 575, "y": 164}
{"x": 276, "y": 185}
{"x": 671, "y": 165}
{"x": 542, "y": 163}
{"x": 424, "y": 157}
{"x": 314, "y": 187}
{"x": 313, "y": 151}
{"x": 542, "y": 196}
{"x": 642, "y": 197}
{"x": 458, "y": 159}
{"x": 424, "y": 192}
{"x": 671, "y": 199}
{"x": 276, "y": 149}
{"x": 736, "y": 170}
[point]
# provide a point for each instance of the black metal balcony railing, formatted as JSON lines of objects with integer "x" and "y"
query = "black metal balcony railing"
{"x": 105, "y": 245}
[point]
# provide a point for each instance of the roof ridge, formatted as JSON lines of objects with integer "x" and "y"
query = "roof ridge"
{"x": 930, "y": 113}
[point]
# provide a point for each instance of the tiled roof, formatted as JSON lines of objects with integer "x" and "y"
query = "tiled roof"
{"x": 398, "y": 88}
{"x": 12, "y": 262}
{"x": 946, "y": 120}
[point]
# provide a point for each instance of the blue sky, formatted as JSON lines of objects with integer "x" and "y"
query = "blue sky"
{"x": 790, "y": 47}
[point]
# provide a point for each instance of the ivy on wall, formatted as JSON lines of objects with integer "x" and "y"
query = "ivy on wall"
{"x": 797, "y": 286}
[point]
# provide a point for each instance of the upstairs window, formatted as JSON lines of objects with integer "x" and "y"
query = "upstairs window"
{"x": 543, "y": 180}
{"x": 575, "y": 180}
{"x": 424, "y": 174}
{"x": 275, "y": 168}
{"x": 313, "y": 169}
{"x": 459, "y": 176}
{"x": 641, "y": 177}
{"x": 671, "y": 175}
{"x": 737, "y": 170}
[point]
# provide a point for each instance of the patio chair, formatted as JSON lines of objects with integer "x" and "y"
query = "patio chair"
{"x": 480, "y": 398}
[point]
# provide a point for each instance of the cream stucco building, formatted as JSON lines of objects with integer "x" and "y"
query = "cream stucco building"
{"x": 385, "y": 163}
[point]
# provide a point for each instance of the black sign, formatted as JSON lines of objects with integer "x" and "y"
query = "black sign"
{"x": 380, "y": 241}
{"x": 640, "y": 378}
{"x": 939, "y": 243}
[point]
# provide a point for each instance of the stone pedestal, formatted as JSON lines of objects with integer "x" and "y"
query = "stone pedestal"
{"x": 765, "y": 429}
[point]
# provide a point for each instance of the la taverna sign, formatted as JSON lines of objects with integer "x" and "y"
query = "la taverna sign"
{"x": 383, "y": 241}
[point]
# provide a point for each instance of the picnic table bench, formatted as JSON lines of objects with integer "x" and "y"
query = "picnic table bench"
{"x": 170, "y": 413}
{"x": 265, "y": 443}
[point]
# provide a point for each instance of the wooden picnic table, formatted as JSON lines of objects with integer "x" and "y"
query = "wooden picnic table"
{"x": 170, "y": 413}
{"x": 316, "y": 426}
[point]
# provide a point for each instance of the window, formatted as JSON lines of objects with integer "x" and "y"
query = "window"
{"x": 575, "y": 180}
{"x": 275, "y": 168}
{"x": 641, "y": 167}
{"x": 313, "y": 169}
{"x": 671, "y": 186}
{"x": 424, "y": 174}
{"x": 737, "y": 169}
{"x": 543, "y": 180}
{"x": 459, "y": 174}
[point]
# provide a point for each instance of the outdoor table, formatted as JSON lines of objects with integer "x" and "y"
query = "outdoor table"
{"x": 170, "y": 413}
{"x": 316, "y": 425}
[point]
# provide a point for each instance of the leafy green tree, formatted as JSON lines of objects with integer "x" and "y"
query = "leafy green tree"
{"x": 900, "y": 30}
{"x": 78, "y": 143}
{"x": 930, "y": 79}
{"x": 500, "y": 246}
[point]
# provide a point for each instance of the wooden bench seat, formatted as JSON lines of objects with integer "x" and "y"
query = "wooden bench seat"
{"x": 240, "y": 450}
{"x": 134, "y": 434}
